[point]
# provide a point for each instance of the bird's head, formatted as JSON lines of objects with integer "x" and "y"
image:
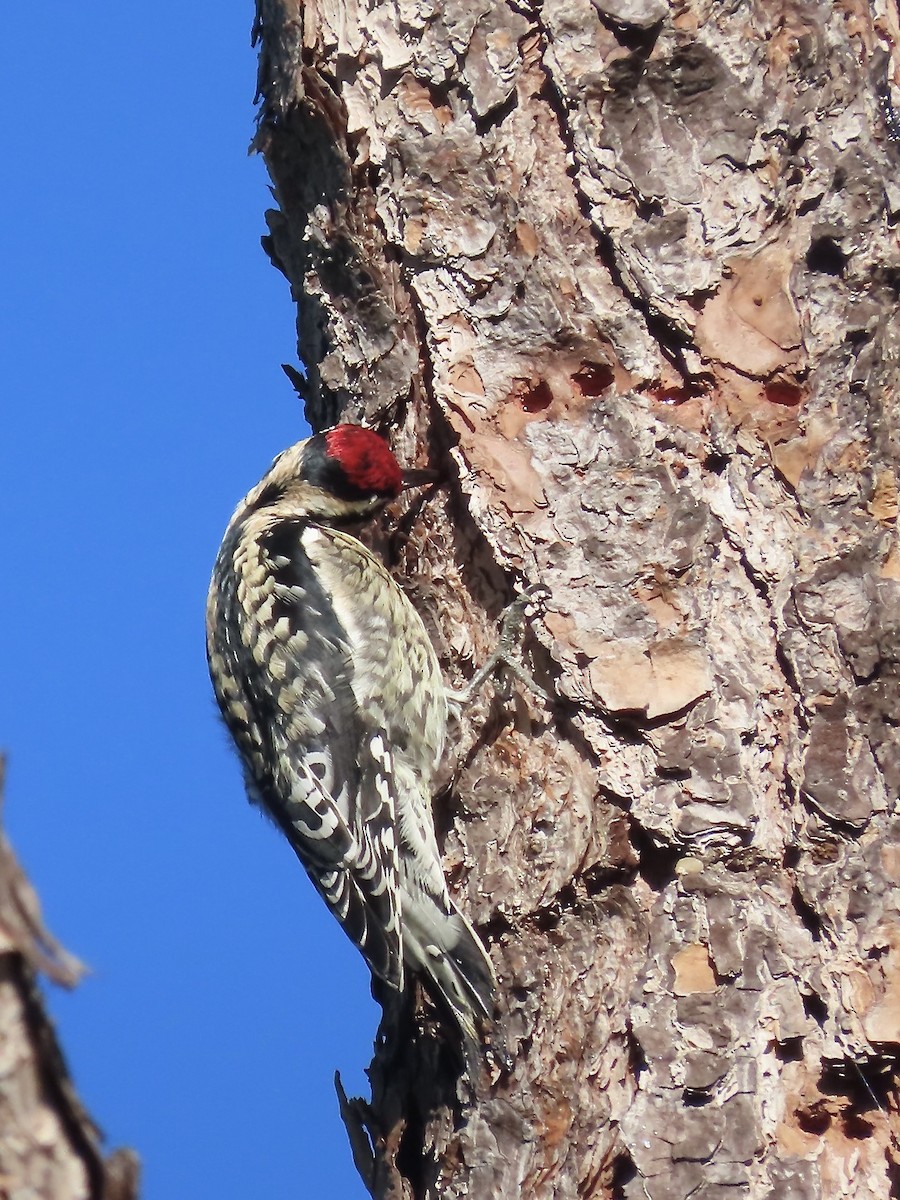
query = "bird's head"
{"x": 343, "y": 474}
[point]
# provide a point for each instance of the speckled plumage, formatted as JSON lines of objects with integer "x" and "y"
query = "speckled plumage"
{"x": 332, "y": 692}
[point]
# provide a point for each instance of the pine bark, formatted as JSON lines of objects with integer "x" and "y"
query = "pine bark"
{"x": 626, "y": 272}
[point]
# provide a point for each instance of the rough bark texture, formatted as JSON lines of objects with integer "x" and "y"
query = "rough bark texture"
{"x": 627, "y": 272}
{"x": 50, "y": 1149}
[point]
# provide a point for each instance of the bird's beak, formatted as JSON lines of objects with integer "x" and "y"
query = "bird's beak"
{"x": 419, "y": 477}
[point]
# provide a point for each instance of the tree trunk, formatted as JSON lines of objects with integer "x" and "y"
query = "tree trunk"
{"x": 49, "y": 1147}
{"x": 626, "y": 271}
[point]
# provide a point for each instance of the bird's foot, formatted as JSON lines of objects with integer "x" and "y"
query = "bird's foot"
{"x": 505, "y": 664}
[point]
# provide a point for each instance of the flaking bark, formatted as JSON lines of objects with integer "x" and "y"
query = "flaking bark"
{"x": 626, "y": 272}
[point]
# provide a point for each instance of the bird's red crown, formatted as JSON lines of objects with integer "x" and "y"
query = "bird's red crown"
{"x": 365, "y": 459}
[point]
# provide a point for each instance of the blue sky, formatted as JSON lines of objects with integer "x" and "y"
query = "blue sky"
{"x": 142, "y": 330}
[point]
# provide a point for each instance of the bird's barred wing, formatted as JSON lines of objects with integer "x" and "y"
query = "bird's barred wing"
{"x": 352, "y": 864}
{"x": 287, "y": 698}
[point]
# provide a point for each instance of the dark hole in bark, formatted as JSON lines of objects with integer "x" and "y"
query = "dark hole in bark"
{"x": 656, "y": 863}
{"x": 790, "y": 1049}
{"x": 788, "y": 395}
{"x": 593, "y": 378}
{"x": 814, "y": 1120}
{"x": 623, "y": 1172}
{"x": 791, "y": 857}
{"x": 856, "y": 1126}
{"x": 808, "y": 915}
{"x": 826, "y": 257}
{"x": 676, "y": 395}
{"x": 537, "y": 399}
{"x": 815, "y": 1007}
{"x": 716, "y": 463}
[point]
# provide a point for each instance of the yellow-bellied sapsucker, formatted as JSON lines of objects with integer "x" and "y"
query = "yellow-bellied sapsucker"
{"x": 331, "y": 690}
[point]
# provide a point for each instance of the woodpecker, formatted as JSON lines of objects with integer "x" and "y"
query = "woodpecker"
{"x": 331, "y": 690}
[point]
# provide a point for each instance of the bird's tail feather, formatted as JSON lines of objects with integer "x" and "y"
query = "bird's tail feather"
{"x": 457, "y": 972}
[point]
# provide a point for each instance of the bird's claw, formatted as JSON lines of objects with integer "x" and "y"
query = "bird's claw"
{"x": 506, "y": 659}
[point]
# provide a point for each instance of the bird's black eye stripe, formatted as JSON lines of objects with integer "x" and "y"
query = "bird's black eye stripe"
{"x": 325, "y": 472}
